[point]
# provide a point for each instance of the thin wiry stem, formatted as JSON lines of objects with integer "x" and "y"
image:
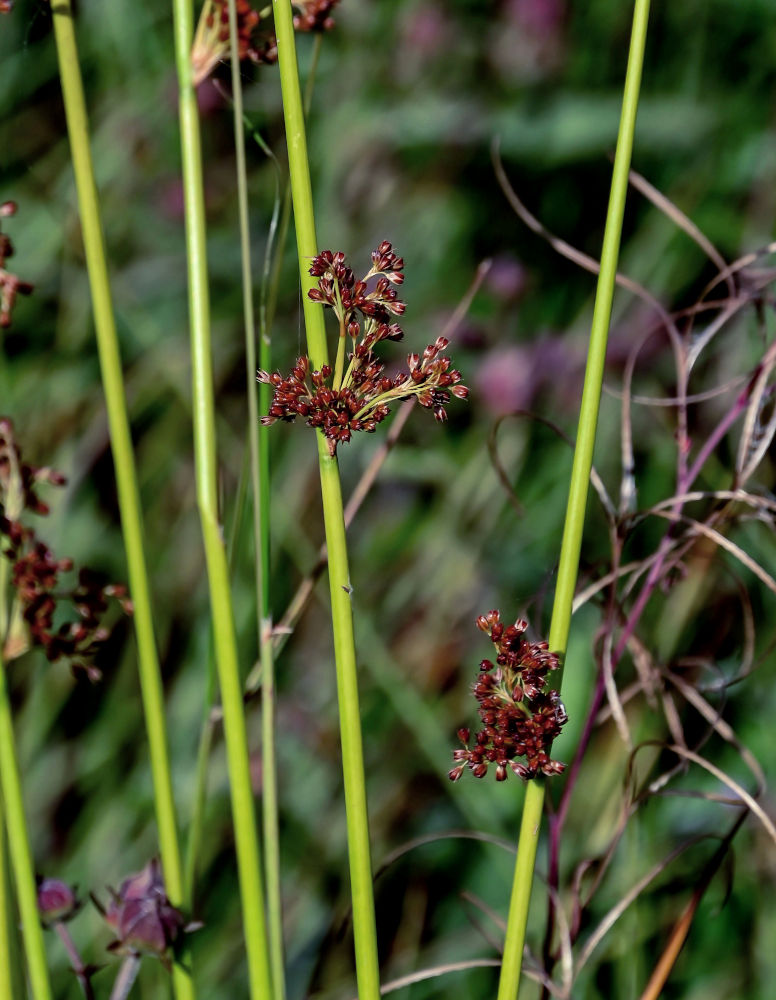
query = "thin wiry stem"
{"x": 509, "y": 982}
{"x": 8, "y": 948}
{"x": 19, "y": 848}
{"x": 243, "y": 812}
{"x": 260, "y": 487}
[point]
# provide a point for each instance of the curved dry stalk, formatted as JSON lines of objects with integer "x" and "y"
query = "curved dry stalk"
{"x": 617, "y": 911}
{"x": 618, "y": 712}
{"x": 722, "y": 728}
{"x": 627, "y": 486}
{"x": 756, "y": 440}
{"x": 683, "y": 222}
{"x": 560, "y": 246}
{"x": 681, "y": 928}
{"x": 637, "y": 568}
{"x": 734, "y": 786}
{"x": 739, "y": 265}
{"x": 692, "y": 496}
{"x": 435, "y": 971}
{"x": 701, "y": 341}
{"x": 432, "y": 838}
{"x": 669, "y": 402}
{"x": 487, "y": 911}
{"x": 723, "y": 542}
{"x": 595, "y": 479}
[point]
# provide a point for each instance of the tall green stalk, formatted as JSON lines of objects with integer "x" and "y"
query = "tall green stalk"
{"x": 364, "y": 930}
{"x": 7, "y": 945}
{"x": 509, "y": 982}
{"x": 124, "y": 464}
{"x": 260, "y": 483}
{"x": 18, "y": 837}
{"x": 243, "y": 812}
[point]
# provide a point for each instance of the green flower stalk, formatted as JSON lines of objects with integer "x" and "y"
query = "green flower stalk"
{"x": 243, "y": 810}
{"x": 126, "y": 478}
{"x": 365, "y": 934}
{"x": 571, "y": 544}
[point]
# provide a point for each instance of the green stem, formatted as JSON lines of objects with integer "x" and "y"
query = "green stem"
{"x": 367, "y": 969}
{"x": 19, "y": 848}
{"x": 571, "y": 544}
{"x": 285, "y": 216}
{"x": 7, "y": 949}
{"x": 260, "y": 483}
{"x": 243, "y": 812}
{"x": 11, "y": 968}
{"x": 126, "y": 479}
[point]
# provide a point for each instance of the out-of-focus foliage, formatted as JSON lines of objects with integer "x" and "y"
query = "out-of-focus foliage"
{"x": 409, "y": 96}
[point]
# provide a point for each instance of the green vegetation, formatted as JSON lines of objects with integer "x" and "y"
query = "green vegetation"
{"x": 475, "y": 138}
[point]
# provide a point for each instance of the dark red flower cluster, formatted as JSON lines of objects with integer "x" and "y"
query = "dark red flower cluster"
{"x": 315, "y": 15}
{"x": 10, "y": 285}
{"x": 356, "y": 394}
{"x": 36, "y": 574}
{"x": 520, "y": 719}
{"x": 211, "y": 41}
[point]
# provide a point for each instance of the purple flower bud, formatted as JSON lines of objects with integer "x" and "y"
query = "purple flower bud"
{"x": 141, "y": 915}
{"x": 57, "y": 901}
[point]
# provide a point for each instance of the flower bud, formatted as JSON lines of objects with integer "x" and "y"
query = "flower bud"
{"x": 57, "y": 901}
{"x": 142, "y": 916}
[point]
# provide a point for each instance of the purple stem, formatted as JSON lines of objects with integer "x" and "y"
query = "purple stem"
{"x": 79, "y": 968}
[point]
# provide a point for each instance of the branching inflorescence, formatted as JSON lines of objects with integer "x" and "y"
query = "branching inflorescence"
{"x": 520, "y": 719}
{"x": 358, "y": 396}
{"x": 211, "y": 42}
{"x": 36, "y": 573}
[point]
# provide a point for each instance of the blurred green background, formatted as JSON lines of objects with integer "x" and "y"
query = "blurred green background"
{"x": 409, "y": 96}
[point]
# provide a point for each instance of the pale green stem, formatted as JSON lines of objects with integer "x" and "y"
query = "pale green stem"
{"x": 285, "y": 216}
{"x": 19, "y": 842}
{"x": 243, "y": 811}
{"x": 571, "y": 544}
{"x": 124, "y": 464}
{"x": 209, "y": 717}
{"x": 259, "y": 463}
{"x": 8, "y": 955}
{"x": 7, "y": 945}
{"x": 365, "y": 936}
{"x": 126, "y": 978}
{"x": 11, "y": 966}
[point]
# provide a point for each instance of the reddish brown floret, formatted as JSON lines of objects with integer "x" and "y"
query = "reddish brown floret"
{"x": 359, "y": 396}
{"x": 10, "y": 284}
{"x": 36, "y": 574}
{"x": 315, "y": 15}
{"x": 520, "y": 719}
